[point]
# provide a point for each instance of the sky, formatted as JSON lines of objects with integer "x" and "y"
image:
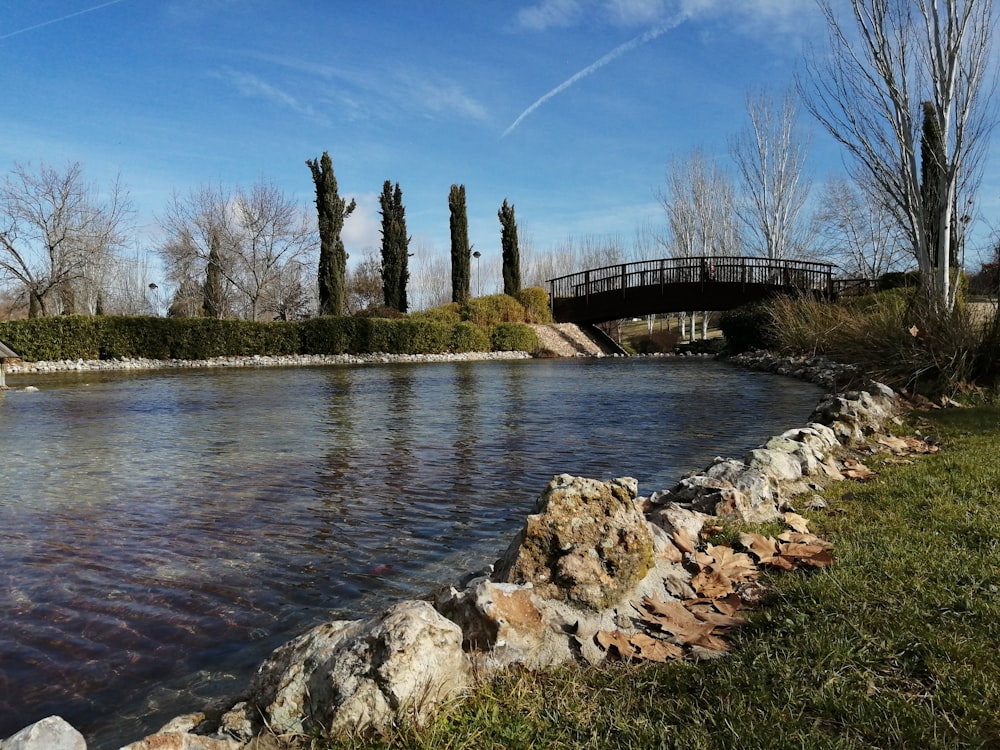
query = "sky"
{"x": 569, "y": 109}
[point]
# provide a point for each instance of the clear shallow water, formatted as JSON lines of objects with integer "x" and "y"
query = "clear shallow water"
{"x": 161, "y": 533}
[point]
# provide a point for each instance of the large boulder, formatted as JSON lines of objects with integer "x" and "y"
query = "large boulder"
{"x": 347, "y": 676}
{"x": 582, "y": 559}
{"x": 586, "y": 543}
{"x": 51, "y": 733}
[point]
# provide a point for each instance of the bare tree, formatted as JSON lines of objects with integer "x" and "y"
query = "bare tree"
{"x": 364, "y": 283}
{"x": 770, "y": 155}
{"x": 253, "y": 240}
{"x": 857, "y": 232}
{"x": 870, "y": 93}
{"x": 700, "y": 203}
{"x": 56, "y": 233}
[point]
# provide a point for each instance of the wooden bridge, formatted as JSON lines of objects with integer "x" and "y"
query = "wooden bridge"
{"x": 631, "y": 290}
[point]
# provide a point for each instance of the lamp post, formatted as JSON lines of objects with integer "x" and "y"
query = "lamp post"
{"x": 479, "y": 288}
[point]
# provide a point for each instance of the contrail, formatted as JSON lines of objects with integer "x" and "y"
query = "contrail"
{"x": 60, "y": 19}
{"x": 594, "y": 67}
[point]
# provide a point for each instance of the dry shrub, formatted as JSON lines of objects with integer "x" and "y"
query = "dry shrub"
{"x": 893, "y": 336}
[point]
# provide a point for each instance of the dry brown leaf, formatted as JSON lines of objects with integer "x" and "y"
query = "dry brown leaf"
{"x": 712, "y": 643}
{"x": 818, "y": 556}
{"x": 736, "y": 566}
{"x": 857, "y": 470}
{"x": 761, "y": 546}
{"x": 782, "y": 563}
{"x": 796, "y": 538}
{"x": 796, "y": 522}
{"x": 616, "y": 640}
{"x": 653, "y": 649}
{"x": 729, "y": 605}
{"x": 708, "y": 614}
{"x": 673, "y": 618}
{"x": 682, "y": 540}
{"x": 894, "y": 444}
{"x": 712, "y": 583}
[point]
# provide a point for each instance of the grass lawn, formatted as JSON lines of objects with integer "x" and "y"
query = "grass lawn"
{"x": 897, "y": 645}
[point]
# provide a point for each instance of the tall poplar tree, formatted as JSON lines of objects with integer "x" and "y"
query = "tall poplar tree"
{"x": 395, "y": 244}
{"x": 509, "y": 250}
{"x": 461, "y": 250}
{"x": 332, "y": 210}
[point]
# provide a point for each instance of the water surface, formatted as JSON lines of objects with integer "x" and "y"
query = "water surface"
{"x": 161, "y": 532}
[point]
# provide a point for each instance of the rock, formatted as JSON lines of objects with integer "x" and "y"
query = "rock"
{"x": 349, "y": 676}
{"x": 51, "y": 733}
{"x": 587, "y": 543}
{"x": 778, "y": 466}
{"x": 184, "y": 741}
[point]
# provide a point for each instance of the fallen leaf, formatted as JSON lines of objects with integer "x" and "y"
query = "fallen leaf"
{"x": 796, "y": 522}
{"x": 616, "y": 640}
{"x": 796, "y": 538}
{"x": 674, "y": 618}
{"x": 654, "y": 649}
{"x": 708, "y": 614}
{"x": 712, "y": 583}
{"x": 857, "y": 470}
{"x": 759, "y": 545}
{"x": 683, "y": 542}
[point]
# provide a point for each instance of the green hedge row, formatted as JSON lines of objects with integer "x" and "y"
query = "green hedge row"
{"x": 112, "y": 337}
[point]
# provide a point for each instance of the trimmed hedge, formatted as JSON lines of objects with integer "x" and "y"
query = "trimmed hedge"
{"x": 514, "y": 337}
{"x": 111, "y": 337}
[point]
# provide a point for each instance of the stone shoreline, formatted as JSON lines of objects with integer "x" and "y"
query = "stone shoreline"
{"x": 290, "y": 360}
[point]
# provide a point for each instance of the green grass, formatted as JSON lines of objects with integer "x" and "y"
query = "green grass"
{"x": 895, "y": 646}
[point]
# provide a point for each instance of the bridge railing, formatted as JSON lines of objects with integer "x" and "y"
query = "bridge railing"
{"x": 798, "y": 274}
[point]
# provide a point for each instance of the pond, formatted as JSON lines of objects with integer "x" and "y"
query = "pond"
{"x": 161, "y": 533}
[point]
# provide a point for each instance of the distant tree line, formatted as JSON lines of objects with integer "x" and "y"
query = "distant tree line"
{"x": 236, "y": 253}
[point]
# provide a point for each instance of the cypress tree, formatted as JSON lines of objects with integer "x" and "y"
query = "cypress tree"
{"x": 331, "y": 210}
{"x": 395, "y": 245}
{"x": 460, "y": 249}
{"x": 511, "y": 254}
{"x": 213, "y": 303}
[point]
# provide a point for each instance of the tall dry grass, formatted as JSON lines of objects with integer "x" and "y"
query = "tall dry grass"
{"x": 893, "y": 336}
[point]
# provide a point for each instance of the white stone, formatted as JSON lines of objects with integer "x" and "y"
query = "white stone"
{"x": 51, "y": 733}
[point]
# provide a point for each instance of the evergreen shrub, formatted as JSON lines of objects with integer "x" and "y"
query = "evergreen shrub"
{"x": 468, "y": 337}
{"x": 493, "y": 309}
{"x": 513, "y": 337}
{"x": 535, "y": 301}
{"x": 450, "y": 313}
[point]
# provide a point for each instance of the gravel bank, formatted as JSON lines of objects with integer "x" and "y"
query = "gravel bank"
{"x": 298, "y": 360}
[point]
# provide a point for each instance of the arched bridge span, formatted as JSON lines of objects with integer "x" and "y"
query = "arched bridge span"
{"x": 629, "y": 290}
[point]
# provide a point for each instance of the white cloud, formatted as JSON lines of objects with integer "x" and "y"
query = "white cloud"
{"x": 438, "y": 97}
{"x": 549, "y": 13}
{"x": 253, "y": 87}
{"x": 745, "y": 16}
{"x": 362, "y": 229}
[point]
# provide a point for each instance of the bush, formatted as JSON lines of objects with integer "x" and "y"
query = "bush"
{"x": 492, "y": 310}
{"x": 450, "y": 313}
{"x": 328, "y": 335}
{"x": 468, "y": 337}
{"x": 535, "y": 302}
{"x": 748, "y": 327}
{"x": 513, "y": 337}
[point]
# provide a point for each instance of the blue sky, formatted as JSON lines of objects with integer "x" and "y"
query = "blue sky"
{"x": 570, "y": 109}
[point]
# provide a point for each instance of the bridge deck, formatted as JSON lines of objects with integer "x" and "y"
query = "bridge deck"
{"x": 629, "y": 290}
